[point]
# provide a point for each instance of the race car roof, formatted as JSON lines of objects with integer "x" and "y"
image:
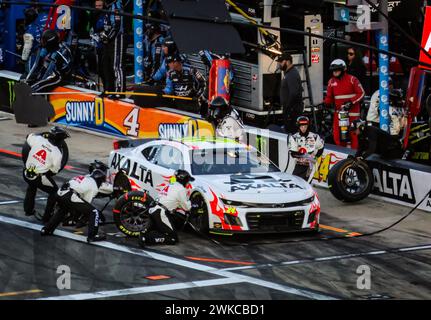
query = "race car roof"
{"x": 210, "y": 143}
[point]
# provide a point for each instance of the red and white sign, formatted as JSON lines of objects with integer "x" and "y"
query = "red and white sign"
{"x": 426, "y": 39}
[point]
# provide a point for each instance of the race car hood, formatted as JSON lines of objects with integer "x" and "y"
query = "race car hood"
{"x": 259, "y": 188}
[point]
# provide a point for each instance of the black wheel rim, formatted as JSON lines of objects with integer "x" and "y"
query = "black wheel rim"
{"x": 199, "y": 214}
{"x": 134, "y": 216}
{"x": 354, "y": 179}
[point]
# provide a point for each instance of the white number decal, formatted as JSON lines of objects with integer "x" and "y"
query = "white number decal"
{"x": 131, "y": 122}
{"x": 64, "y": 17}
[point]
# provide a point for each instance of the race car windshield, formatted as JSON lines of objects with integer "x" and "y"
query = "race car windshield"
{"x": 230, "y": 161}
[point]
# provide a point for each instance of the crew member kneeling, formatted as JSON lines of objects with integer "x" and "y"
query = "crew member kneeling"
{"x": 375, "y": 140}
{"x": 161, "y": 229}
{"x": 76, "y": 195}
{"x": 302, "y": 143}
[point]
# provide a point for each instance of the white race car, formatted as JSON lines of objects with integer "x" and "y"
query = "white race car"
{"x": 238, "y": 189}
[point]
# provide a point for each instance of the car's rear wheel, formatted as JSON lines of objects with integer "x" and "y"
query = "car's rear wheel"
{"x": 131, "y": 212}
{"x": 199, "y": 216}
{"x": 350, "y": 180}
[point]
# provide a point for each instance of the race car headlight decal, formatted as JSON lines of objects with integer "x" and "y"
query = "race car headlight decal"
{"x": 312, "y": 216}
{"x": 232, "y": 220}
{"x": 309, "y": 200}
{"x": 269, "y": 205}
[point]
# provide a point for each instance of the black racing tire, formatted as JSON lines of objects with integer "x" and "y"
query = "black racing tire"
{"x": 64, "y": 149}
{"x": 199, "y": 216}
{"x": 350, "y": 180}
{"x": 131, "y": 212}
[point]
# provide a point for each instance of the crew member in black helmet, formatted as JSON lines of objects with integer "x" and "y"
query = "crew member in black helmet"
{"x": 161, "y": 229}
{"x": 226, "y": 120}
{"x": 51, "y": 70}
{"x": 42, "y": 164}
{"x": 375, "y": 140}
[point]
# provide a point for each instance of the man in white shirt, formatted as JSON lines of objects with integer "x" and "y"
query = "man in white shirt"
{"x": 42, "y": 164}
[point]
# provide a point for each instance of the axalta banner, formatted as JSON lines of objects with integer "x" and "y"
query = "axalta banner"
{"x": 121, "y": 118}
{"x": 396, "y": 181}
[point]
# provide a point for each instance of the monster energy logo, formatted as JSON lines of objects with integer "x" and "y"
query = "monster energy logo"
{"x": 261, "y": 144}
{"x": 11, "y": 92}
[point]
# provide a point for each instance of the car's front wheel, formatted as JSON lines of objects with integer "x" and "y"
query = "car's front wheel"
{"x": 199, "y": 216}
{"x": 131, "y": 212}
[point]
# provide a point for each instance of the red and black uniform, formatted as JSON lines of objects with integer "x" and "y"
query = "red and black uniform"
{"x": 340, "y": 91}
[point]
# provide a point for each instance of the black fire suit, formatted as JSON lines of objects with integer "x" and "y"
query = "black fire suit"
{"x": 50, "y": 70}
{"x": 185, "y": 83}
{"x": 43, "y": 162}
{"x": 75, "y": 196}
{"x": 112, "y": 38}
{"x": 375, "y": 140}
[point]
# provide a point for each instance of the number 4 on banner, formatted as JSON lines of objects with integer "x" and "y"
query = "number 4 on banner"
{"x": 132, "y": 122}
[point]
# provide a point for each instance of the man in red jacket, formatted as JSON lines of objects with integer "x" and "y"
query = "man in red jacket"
{"x": 344, "y": 91}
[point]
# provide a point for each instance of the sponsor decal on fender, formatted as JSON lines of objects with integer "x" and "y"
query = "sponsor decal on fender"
{"x": 132, "y": 169}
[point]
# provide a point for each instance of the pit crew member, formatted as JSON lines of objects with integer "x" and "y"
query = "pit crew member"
{"x": 52, "y": 69}
{"x": 43, "y": 163}
{"x": 153, "y": 50}
{"x": 344, "y": 91}
{"x": 182, "y": 80}
{"x": 303, "y": 143}
{"x": 76, "y": 195}
{"x": 161, "y": 229}
{"x": 375, "y": 140}
{"x": 112, "y": 38}
{"x": 32, "y": 37}
{"x": 226, "y": 120}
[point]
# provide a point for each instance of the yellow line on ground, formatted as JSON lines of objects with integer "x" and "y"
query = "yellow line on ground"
{"x": 349, "y": 233}
{"x": 322, "y": 226}
{"x": 17, "y": 293}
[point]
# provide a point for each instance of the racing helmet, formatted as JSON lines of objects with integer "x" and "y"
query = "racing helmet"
{"x": 30, "y": 15}
{"x": 183, "y": 177}
{"x": 152, "y": 28}
{"x": 219, "y": 108}
{"x": 396, "y": 98}
{"x": 170, "y": 44}
{"x": 99, "y": 176}
{"x": 97, "y": 164}
{"x": 338, "y": 65}
{"x": 50, "y": 40}
{"x": 57, "y": 135}
{"x": 303, "y": 121}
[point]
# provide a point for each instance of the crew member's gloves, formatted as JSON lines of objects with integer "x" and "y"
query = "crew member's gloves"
{"x": 103, "y": 37}
{"x": 195, "y": 206}
{"x": 348, "y": 105}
